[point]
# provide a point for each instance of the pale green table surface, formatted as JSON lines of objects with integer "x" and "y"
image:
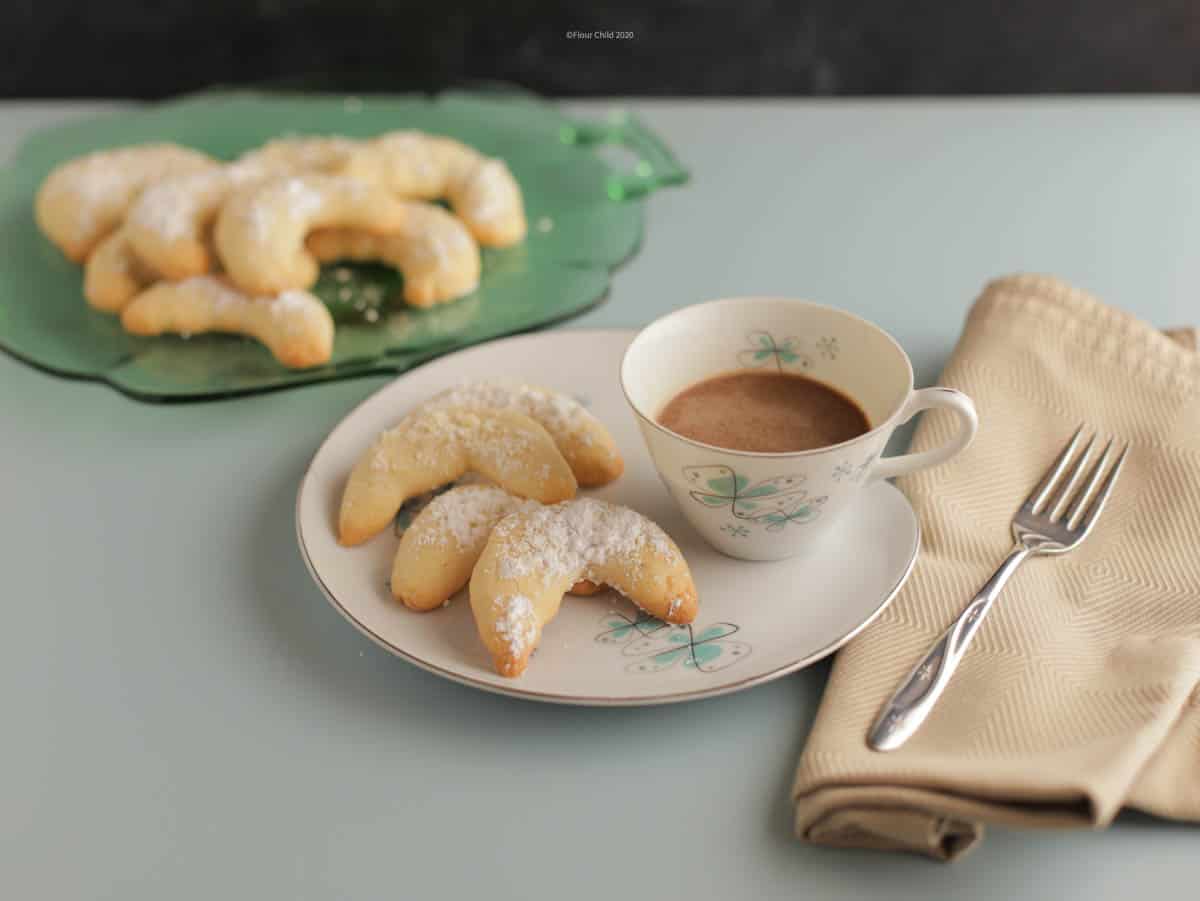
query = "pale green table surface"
{"x": 183, "y": 716}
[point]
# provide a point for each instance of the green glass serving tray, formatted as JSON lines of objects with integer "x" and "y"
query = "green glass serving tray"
{"x": 585, "y": 218}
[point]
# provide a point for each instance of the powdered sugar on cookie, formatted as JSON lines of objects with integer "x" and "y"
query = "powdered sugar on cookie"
{"x": 578, "y": 535}
{"x": 429, "y": 448}
{"x": 291, "y": 199}
{"x": 504, "y": 449}
{"x": 582, "y": 438}
{"x": 468, "y": 513}
{"x": 172, "y": 207}
{"x": 557, "y": 412}
{"x": 515, "y": 625}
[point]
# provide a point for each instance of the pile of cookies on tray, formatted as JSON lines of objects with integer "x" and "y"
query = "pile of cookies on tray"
{"x": 514, "y": 529}
{"x": 175, "y": 241}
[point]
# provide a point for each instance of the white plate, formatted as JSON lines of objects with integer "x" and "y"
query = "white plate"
{"x": 757, "y": 621}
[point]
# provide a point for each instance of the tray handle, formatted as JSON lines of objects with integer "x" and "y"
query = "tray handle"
{"x": 656, "y": 165}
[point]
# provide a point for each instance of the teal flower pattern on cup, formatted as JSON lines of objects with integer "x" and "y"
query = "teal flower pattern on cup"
{"x": 783, "y": 353}
{"x": 777, "y": 522}
{"x": 765, "y": 350}
{"x": 851, "y": 472}
{"x": 775, "y": 502}
{"x": 827, "y": 347}
{"x": 660, "y": 646}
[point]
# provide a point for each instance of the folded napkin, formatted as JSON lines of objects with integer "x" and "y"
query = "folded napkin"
{"x": 1081, "y": 693}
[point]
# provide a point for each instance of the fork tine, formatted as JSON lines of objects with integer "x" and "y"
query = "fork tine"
{"x": 1075, "y": 513}
{"x": 1102, "y": 494}
{"x": 1078, "y": 468}
{"x": 1042, "y": 491}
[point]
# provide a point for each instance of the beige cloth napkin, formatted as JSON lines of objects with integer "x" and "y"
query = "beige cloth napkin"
{"x": 1081, "y": 692}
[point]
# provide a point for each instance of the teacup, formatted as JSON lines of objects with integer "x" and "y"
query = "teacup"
{"x": 768, "y": 506}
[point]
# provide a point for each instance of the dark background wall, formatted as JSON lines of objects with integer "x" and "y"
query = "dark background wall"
{"x": 683, "y": 47}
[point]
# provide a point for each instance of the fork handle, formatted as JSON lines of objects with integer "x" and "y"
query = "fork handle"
{"x": 903, "y": 715}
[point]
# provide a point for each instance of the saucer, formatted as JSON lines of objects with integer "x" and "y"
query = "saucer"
{"x": 757, "y": 621}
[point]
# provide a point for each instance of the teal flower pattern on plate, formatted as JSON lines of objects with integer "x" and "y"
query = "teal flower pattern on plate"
{"x": 620, "y": 629}
{"x": 660, "y": 646}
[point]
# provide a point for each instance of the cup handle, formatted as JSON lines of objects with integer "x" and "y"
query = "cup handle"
{"x": 926, "y": 399}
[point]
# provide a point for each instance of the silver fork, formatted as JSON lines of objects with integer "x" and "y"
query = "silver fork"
{"x": 1054, "y": 519}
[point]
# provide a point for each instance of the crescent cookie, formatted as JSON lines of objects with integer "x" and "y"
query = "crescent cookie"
{"x": 295, "y": 326}
{"x": 169, "y": 223}
{"x": 84, "y": 199}
{"x": 439, "y": 548}
{"x": 534, "y": 556}
{"x": 442, "y": 544}
{"x": 429, "y": 448}
{"x": 434, "y": 250}
{"x": 302, "y": 154}
{"x": 114, "y": 273}
{"x": 582, "y": 438}
{"x": 261, "y": 228}
{"x": 481, "y": 190}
